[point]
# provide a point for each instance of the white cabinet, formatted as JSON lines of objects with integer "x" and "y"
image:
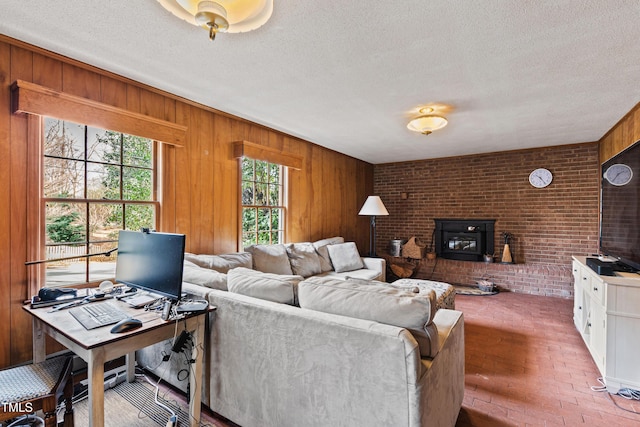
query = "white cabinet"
{"x": 598, "y": 342}
{"x": 606, "y": 312}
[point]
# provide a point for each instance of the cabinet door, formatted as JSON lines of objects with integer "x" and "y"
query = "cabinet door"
{"x": 597, "y": 288}
{"x": 579, "y": 312}
{"x": 598, "y": 338}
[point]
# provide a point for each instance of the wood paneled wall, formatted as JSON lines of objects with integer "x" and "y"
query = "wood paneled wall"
{"x": 622, "y": 135}
{"x": 200, "y": 182}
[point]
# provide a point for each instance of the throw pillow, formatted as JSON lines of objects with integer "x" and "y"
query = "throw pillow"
{"x": 221, "y": 263}
{"x": 323, "y": 252}
{"x": 270, "y": 259}
{"x": 271, "y": 287}
{"x": 345, "y": 257}
{"x": 304, "y": 259}
{"x": 384, "y": 304}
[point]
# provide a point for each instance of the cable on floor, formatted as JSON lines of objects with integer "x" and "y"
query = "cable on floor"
{"x": 625, "y": 393}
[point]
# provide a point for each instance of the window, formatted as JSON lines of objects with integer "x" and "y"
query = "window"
{"x": 263, "y": 209}
{"x": 95, "y": 183}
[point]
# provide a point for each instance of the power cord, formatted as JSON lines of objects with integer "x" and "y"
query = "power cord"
{"x": 625, "y": 393}
{"x": 173, "y": 419}
{"x": 184, "y": 344}
{"x": 629, "y": 394}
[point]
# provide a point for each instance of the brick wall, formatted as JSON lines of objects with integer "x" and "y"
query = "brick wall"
{"x": 548, "y": 224}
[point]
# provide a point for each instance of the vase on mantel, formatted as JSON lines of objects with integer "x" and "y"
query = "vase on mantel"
{"x": 507, "y": 258}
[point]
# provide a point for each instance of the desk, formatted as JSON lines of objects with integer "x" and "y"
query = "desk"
{"x": 99, "y": 345}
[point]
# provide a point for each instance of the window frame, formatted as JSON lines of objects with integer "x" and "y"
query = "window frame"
{"x": 33, "y": 101}
{"x": 292, "y": 161}
{"x": 85, "y": 203}
{"x": 88, "y": 202}
{"x": 282, "y": 202}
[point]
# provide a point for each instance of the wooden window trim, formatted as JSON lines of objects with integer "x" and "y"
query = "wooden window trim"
{"x": 35, "y": 203}
{"x": 31, "y": 98}
{"x": 271, "y": 155}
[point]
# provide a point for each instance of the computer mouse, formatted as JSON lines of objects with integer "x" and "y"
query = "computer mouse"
{"x": 126, "y": 325}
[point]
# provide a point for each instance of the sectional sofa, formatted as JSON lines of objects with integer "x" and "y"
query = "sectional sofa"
{"x": 331, "y": 257}
{"x": 323, "y": 350}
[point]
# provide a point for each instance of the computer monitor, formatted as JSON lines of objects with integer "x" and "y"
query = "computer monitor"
{"x": 151, "y": 261}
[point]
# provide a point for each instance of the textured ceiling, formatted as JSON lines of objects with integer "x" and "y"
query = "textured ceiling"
{"x": 348, "y": 75}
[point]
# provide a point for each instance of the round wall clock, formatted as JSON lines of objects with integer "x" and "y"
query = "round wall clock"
{"x": 540, "y": 178}
{"x": 618, "y": 174}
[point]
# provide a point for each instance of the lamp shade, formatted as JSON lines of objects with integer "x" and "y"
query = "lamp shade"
{"x": 427, "y": 123}
{"x": 240, "y": 15}
{"x": 373, "y": 206}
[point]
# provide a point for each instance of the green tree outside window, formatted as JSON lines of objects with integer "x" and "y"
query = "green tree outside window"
{"x": 96, "y": 182}
{"x": 262, "y": 196}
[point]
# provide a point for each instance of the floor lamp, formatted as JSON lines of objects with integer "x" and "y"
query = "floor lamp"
{"x": 373, "y": 207}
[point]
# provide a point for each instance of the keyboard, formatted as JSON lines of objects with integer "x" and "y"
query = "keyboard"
{"x": 95, "y": 315}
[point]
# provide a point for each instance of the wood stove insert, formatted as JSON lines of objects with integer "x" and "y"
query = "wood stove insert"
{"x": 464, "y": 239}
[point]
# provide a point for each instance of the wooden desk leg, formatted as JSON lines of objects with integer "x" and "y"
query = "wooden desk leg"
{"x": 39, "y": 341}
{"x": 130, "y": 362}
{"x": 95, "y": 375}
{"x": 195, "y": 376}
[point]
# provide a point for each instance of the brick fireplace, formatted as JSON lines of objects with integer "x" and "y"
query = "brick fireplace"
{"x": 548, "y": 225}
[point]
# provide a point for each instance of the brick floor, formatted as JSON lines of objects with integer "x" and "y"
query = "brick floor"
{"x": 526, "y": 365}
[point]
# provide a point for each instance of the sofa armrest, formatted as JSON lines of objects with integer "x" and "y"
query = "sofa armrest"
{"x": 376, "y": 264}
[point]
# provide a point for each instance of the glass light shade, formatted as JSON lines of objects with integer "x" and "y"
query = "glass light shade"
{"x": 373, "y": 206}
{"x": 427, "y": 123}
{"x": 242, "y": 15}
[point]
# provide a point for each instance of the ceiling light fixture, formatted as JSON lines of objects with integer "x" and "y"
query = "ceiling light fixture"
{"x": 427, "y": 122}
{"x": 222, "y": 16}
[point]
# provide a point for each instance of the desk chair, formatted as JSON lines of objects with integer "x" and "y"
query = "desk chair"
{"x": 26, "y": 389}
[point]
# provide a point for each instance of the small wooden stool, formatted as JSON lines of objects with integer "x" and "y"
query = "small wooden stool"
{"x": 40, "y": 386}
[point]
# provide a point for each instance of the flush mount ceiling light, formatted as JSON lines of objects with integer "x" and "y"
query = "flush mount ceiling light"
{"x": 427, "y": 122}
{"x": 232, "y": 16}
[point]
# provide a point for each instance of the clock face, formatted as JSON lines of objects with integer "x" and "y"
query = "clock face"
{"x": 618, "y": 174}
{"x": 540, "y": 178}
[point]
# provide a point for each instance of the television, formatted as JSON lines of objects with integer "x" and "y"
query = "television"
{"x": 619, "y": 209}
{"x": 151, "y": 261}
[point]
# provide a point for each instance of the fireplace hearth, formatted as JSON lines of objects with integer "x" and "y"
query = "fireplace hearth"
{"x": 464, "y": 239}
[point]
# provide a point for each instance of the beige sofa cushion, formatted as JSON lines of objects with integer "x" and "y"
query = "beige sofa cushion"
{"x": 270, "y": 259}
{"x": 268, "y": 286}
{"x": 345, "y": 257}
{"x": 221, "y": 263}
{"x": 304, "y": 259}
{"x": 323, "y": 252}
{"x": 385, "y": 304}
{"x": 204, "y": 277}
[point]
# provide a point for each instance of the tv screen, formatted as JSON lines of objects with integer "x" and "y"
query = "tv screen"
{"x": 151, "y": 261}
{"x": 619, "y": 210}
